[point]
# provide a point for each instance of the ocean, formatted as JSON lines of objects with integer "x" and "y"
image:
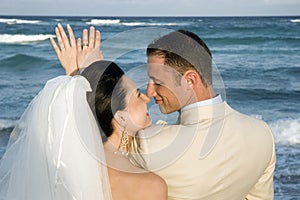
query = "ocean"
{"x": 256, "y": 60}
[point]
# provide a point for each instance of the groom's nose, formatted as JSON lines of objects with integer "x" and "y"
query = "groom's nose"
{"x": 151, "y": 89}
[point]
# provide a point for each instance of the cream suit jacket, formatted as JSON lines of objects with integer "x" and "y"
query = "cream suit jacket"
{"x": 213, "y": 153}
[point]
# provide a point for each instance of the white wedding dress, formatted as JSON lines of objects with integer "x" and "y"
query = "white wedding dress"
{"x": 55, "y": 152}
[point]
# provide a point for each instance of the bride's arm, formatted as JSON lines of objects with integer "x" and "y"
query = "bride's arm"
{"x": 74, "y": 57}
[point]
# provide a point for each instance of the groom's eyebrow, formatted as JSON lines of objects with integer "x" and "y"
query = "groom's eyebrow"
{"x": 156, "y": 81}
{"x": 153, "y": 78}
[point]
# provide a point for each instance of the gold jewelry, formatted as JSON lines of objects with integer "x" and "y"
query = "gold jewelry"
{"x": 123, "y": 147}
{"x": 62, "y": 48}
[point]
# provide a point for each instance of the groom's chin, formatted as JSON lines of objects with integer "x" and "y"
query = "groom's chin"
{"x": 165, "y": 111}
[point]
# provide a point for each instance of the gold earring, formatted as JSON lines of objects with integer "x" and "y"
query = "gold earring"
{"x": 123, "y": 147}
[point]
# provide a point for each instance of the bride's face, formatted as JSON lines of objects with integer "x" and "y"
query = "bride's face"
{"x": 137, "y": 111}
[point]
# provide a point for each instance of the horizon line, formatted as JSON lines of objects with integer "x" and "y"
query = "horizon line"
{"x": 42, "y": 15}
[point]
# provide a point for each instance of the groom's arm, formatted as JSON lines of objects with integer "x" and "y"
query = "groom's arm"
{"x": 264, "y": 188}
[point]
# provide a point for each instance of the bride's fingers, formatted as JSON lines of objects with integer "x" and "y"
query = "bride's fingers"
{"x": 92, "y": 37}
{"x": 85, "y": 41}
{"x": 54, "y": 45}
{"x": 97, "y": 39}
{"x": 63, "y": 36}
{"x": 79, "y": 48}
{"x": 71, "y": 36}
{"x": 59, "y": 39}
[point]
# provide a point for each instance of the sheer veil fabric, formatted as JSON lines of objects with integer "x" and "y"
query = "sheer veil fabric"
{"x": 55, "y": 152}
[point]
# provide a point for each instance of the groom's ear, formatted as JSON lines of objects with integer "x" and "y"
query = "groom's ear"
{"x": 191, "y": 77}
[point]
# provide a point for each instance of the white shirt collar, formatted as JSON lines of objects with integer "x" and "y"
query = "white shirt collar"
{"x": 215, "y": 100}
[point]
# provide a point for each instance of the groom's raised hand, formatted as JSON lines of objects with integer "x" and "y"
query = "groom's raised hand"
{"x": 88, "y": 48}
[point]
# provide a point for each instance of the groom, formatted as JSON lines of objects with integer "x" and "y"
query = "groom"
{"x": 213, "y": 151}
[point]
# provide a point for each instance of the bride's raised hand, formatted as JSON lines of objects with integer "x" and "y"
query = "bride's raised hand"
{"x": 88, "y": 48}
{"x": 66, "y": 49}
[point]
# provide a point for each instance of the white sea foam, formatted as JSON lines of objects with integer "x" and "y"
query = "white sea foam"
{"x": 5, "y": 123}
{"x": 286, "y": 131}
{"x": 103, "y": 21}
{"x": 133, "y": 23}
{"x": 257, "y": 116}
{"x": 295, "y": 20}
{"x": 20, "y": 38}
{"x": 118, "y": 22}
{"x": 58, "y": 20}
{"x": 148, "y": 24}
{"x": 19, "y": 21}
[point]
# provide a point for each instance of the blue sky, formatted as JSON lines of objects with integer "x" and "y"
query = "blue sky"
{"x": 150, "y": 7}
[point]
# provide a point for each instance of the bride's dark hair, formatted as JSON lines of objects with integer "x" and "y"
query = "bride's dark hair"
{"x": 105, "y": 80}
{"x": 108, "y": 96}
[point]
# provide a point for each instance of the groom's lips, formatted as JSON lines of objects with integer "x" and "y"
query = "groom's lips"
{"x": 158, "y": 101}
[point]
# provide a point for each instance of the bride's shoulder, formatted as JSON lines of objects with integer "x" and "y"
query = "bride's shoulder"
{"x": 150, "y": 186}
{"x": 138, "y": 185}
{"x": 155, "y": 187}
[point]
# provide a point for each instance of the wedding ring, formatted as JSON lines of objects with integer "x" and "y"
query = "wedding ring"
{"x": 62, "y": 48}
{"x": 85, "y": 44}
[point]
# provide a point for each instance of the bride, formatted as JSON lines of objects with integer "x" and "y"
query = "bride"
{"x": 77, "y": 137}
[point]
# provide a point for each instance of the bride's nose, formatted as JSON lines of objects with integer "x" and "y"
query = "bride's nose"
{"x": 145, "y": 98}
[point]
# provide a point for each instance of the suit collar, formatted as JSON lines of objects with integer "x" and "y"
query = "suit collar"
{"x": 197, "y": 114}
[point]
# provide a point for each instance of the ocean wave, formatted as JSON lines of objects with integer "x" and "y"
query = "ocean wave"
{"x": 21, "y": 60}
{"x": 288, "y": 71}
{"x": 18, "y": 21}
{"x": 6, "y": 123}
{"x": 295, "y": 20}
{"x": 118, "y": 22}
{"x": 243, "y": 92}
{"x": 58, "y": 20}
{"x": 23, "y": 39}
{"x": 286, "y": 131}
{"x": 246, "y": 40}
{"x": 103, "y": 21}
{"x": 148, "y": 24}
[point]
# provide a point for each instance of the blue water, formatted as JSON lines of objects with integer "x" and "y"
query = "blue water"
{"x": 257, "y": 57}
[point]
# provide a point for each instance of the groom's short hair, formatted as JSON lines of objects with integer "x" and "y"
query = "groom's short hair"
{"x": 184, "y": 50}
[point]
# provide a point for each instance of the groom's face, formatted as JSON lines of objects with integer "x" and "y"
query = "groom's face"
{"x": 162, "y": 85}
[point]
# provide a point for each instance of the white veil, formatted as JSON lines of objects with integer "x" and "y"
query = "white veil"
{"x": 55, "y": 151}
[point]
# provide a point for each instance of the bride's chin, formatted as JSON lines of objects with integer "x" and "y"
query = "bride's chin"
{"x": 146, "y": 124}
